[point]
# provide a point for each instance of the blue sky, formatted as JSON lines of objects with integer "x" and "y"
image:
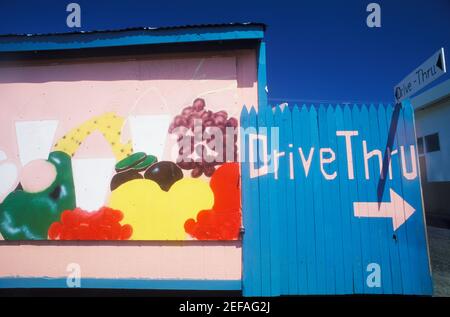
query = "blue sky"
{"x": 318, "y": 50}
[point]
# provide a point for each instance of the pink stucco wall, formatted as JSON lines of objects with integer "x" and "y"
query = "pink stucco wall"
{"x": 77, "y": 90}
{"x": 221, "y": 261}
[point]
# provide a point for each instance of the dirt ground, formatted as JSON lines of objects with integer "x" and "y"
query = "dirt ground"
{"x": 439, "y": 243}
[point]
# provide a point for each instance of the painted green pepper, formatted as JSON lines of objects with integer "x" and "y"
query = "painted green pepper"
{"x": 27, "y": 216}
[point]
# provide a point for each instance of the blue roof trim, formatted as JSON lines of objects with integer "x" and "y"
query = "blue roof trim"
{"x": 168, "y": 284}
{"x": 69, "y": 41}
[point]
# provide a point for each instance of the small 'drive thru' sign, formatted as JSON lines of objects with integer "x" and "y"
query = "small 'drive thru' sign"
{"x": 430, "y": 70}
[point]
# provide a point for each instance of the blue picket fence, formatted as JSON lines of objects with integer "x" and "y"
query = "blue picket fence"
{"x": 319, "y": 219}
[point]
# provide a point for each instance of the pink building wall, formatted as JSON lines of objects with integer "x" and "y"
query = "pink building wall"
{"x": 72, "y": 92}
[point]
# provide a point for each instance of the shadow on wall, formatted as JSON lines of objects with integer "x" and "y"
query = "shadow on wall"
{"x": 206, "y": 66}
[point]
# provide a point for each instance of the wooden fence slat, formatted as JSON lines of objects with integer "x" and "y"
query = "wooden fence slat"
{"x": 254, "y": 198}
{"x": 345, "y": 215}
{"x": 247, "y": 251}
{"x": 409, "y": 193}
{"x": 282, "y": 172}
{"x": 264, "y": 207}
{"x": 411, "y": 285}
{"x": 358, "y": 270}
{"x": 276, "y": 237}
{"x": 378, "y": 225}
{"x": 290, "y": 201}
{"x": 394, "y": 256}
{"x": 417, "y": 201}
{"x": 328, "y": 208}
{"x": 318, "y": 207}
{"x": 412, "y": 195}
{"x": 396, "y": 184}
{"x": 309, "y": 118}
{"x": 335, "y": 211}
{"x": 299, "y": 128}
{"x": 358, "y": 121}
{"x": 371, "y": 184}
{"x": 274, "y": 248}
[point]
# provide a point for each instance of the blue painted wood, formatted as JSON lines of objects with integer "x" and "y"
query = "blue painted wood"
{"x": 345, "y": 215}
{"x": 358, "y": 270}
{"x": 248, "y": 274}
{"x": 335, "y": 213}
{"x": 300, "y": 131}
{"x": 360, "y": 119}
{"x": 406, "y": 230}
{"x": 130, "y": 37}
{"x": 309, "y": 125}
{"x": 290, "y": 203}
{"x": 314, "y": 242}
{"x": 328, "y": 207}
{"x": 389, "y": 248}
{"x": 378, "y": 239}
{"x": 264, "y": 207}
{"x": 413, "y": 195}
{"x": 282, "y": 174}
{"x": 408, "y": 194}
{"x": 275, "y": 214}
{"x": 370, "y": 184}
{"x": 318, "y": 207}
{"x": 255, "y": 226}
{"x": 168, "y": 284}
{"x": 395, "y": 268}
{"x": 396, "y": 184}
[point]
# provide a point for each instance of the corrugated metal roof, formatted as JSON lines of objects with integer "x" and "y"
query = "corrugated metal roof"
{"x": 131, "y": 36}
{"x": 146, "y": 28}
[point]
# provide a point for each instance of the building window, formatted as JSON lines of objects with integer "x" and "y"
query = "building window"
{"x": 420, "y": 145}
{"x": 432, "y": 143}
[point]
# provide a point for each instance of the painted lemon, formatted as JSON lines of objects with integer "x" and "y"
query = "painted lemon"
{"x": 158, "y": 215}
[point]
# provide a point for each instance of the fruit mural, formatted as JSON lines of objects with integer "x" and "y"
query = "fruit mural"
{"x": 137, "y": 193}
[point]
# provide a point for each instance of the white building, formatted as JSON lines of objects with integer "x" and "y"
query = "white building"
{"x": 432, "y": 115}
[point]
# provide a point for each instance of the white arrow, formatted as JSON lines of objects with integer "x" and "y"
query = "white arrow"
{"x": 397, "y": 209}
